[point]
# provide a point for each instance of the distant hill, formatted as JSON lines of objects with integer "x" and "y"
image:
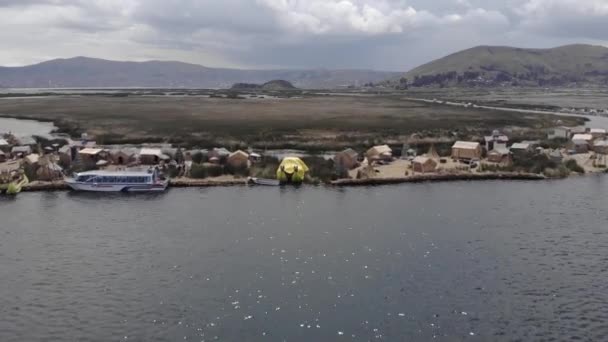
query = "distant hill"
{"x": 272, "y": 85}
{"x": 82, "y": 72}
{"x": 498, "y": 65}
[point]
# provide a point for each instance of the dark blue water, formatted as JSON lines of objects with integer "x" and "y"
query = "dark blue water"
{"x": 487, "y": 261}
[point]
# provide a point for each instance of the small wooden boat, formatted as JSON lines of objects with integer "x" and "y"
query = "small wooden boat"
{"x": 263, "y": 181}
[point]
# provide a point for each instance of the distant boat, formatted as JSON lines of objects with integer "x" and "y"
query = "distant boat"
{"x": 118, "y": 181}
{"x": 263, "y": 181}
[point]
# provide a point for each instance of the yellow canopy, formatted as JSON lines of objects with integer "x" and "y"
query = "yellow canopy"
{"x": 292, "y": 169}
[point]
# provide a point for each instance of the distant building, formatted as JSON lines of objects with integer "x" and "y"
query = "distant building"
{"x": 347, "y": 159}
{"x": 152, "y": 156}
{"x": 597, "y": 133}
{"x": 21, "y": 151}
{"x": 556, "y": 156}
{"x": 381, "y": 152}
{"x": 26, "y": 140}
{"x": 5, "y": 146}
{"x": 238, "y": 159}
{"x": 65, "y": 155}
{"x": 601, "y": 147}
{"x": 255, "y": 157}
{"x": 498, "y": 155}
{"x": 2, "y": 156}
{"x": 466, "y": 150}
{"x": 560, "y": 133}
{"x": 424, "y": 165}
{"x": 520, "y": 148}
{"x": 32, "y": 159}
{"x": 582, "y": 137}
{"x": 90, "y": 156}
{"x": 496, "y": 140}
{"x": 582, "y": 143}
{"x": 123, "y": 156}
{"x": 218, "y": 155}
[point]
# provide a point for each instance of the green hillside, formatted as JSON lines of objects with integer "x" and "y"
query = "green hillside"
{"x": 498, "y": 65}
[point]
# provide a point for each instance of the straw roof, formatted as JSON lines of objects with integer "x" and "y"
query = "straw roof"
{"x": 238, "y": 153}
{"x": 151, "y": 152}
{"x": 421, "y": 160}
{"x": 91, "y": 151}
{"x": 520, "y": 146}
{"x": 582, "y": 137}
{"x": 466, "y": 145}
{"x": 380, "y": 149}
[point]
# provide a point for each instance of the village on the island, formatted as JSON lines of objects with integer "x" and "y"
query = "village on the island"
{"x": 33, "y": 163}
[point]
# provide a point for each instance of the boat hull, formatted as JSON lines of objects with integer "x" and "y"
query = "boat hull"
{"x": 262, "y": 181}
{"x": 158, "y": 187}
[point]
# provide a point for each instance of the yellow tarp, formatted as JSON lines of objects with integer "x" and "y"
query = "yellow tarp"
{"x": 292, "y": 170}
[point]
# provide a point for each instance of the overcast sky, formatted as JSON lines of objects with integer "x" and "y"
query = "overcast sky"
{"x": 379, "y": 34}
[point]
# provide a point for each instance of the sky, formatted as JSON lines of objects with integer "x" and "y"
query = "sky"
{"x": 392, "y": 35}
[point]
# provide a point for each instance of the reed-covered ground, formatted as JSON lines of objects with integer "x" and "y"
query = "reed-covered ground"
{"x": 310, "y": 122}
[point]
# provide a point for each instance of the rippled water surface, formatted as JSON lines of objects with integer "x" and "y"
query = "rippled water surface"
{"x": 25, "y": 127}
{"x": 488, "y": 261}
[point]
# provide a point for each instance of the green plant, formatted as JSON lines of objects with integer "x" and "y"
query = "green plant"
{"x": 197, "y": 158}
{"x": 239, "y": 171}
{"x": 198, "y": 171}
{"x": 573, "y": 166}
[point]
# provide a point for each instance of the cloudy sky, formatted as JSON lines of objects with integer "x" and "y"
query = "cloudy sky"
{"x": 379, "y": 34}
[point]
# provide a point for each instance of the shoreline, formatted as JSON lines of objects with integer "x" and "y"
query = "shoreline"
{"x": 206, "y": 183}
{"x": 437, "y": 178}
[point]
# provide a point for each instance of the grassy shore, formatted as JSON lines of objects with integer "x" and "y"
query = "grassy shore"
{"x": 310, "y": 122}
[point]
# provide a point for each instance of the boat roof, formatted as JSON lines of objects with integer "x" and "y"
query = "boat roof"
{"x": 114, "y": 173}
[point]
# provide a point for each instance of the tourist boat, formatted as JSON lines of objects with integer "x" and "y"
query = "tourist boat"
{"x": 263, "y": 181}
{"x": 118, "y": 181}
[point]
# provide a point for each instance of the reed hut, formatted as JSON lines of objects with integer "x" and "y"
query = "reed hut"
{"x": 90, "y": 156}
{"x": 219, "y": 155}
{"x": 598, "y": 133}
{"x": 424, "y": 164}
{"x": 238, "y": 159}
{"x": 65, "y": 155}
{"x": 497, "y": 155}
{"x": 347, "y": 159}
{"x": 466, "y": 150}
{"x": 2, "y": 156}
{"x": 123, "y": 156}
{"x": 21, "y": 151}
{"x": 5, "y": 146}
{"x": 381, "y": 152}
{"x": 601, "y": 147}
{"x": 152, "y": 156}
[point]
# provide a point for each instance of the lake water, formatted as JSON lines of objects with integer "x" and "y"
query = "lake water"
{"x": 485, "y": 261}
{"x": 25, "y": 127}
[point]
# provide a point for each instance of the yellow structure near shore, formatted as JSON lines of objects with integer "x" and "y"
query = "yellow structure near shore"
{"x": 16, "y": 186}
{"x": 292, "y": 170}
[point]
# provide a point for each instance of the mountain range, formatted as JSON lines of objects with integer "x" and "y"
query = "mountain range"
{"x": 501, "y": 65}
{"x": 482, "y": 66}
{"x": 80, "y": 72}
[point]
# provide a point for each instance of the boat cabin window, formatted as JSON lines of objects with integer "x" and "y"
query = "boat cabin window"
{"x": 84, "y": 178}
{"x": 113, "y": 179}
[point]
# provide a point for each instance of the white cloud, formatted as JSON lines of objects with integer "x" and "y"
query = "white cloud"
{"x": 352, "y": 17}
{"x": 567, "y": 18}
{"x": 385, "y": 34}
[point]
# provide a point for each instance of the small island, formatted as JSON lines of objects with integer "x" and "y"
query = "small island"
{"x": 274, "y": 85}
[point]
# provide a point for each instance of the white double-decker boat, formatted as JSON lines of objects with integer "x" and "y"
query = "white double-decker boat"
{"x": 118, "y": 181}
